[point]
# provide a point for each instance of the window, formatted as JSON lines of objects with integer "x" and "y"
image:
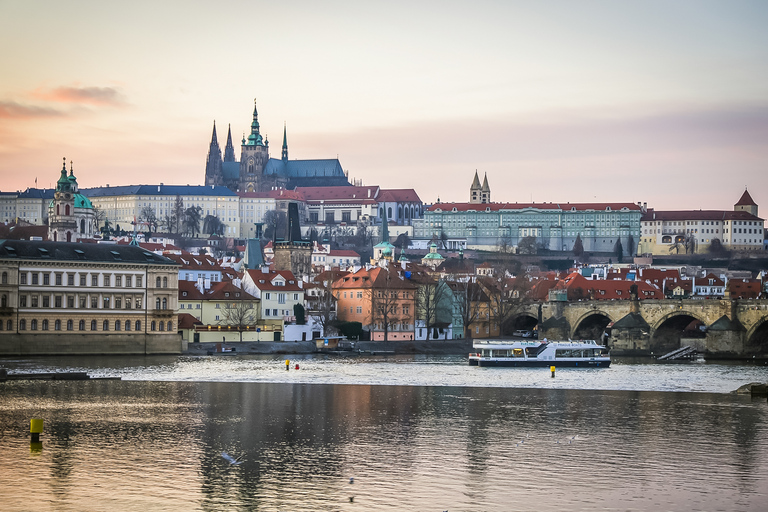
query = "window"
{"x": 267, "y": 296}
{"x": 23, "y": 278}
{"x": 128, "y": 281}
{"x": 57, "y": 301}
{"x": 138, "y": 325}
{"x": 58, "y": 279}
{"x": 93, "y": 325}
{"x": 139, "y": 280}
{"x": 295, "y": 296}
{"x": 82, "y": 279}
{"x": 81, "y": 325}
{"x": 154, "y": 326}
{"x": 118, "y": 280}
{"x": 95, "y": 280}
{"x": 281, "y": 298}
{"x": 105, "y": 302}
{"x": 107, "y": 280}
{"x": 45, "y": 324}
{"x": 70, "y": 301}
{"x": 165, "y": 303}
{"x": 46, "y": 279}
{"x": 34, "y": 281}
{"x": 70, "y": 279}
{"x": 70, "y": 325}
{"x": 105, "y": 325}
{"x": 22, "y": 325}
{"x": 359, "y": 309}
{"x": 5, "y": 278}
{"x": 165, "y": 282}
{"x": 127, "y": 325}
{"x": 117, "y": 325}
{"x": 33, "y": 324}
{"x": 57, "y": 325}
{"x": 46, "y": 301}
{"x": 118, "y": 302}
{"x": 274, "y": 312}
{"x": 22, "y": 301}
{"x": 157, "y": 303}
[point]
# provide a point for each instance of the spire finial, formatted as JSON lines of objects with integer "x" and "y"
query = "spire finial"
{"x": 71, "y": 167}
{"x": 65, "y": 164}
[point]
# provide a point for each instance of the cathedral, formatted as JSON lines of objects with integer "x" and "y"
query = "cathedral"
{"x": 257, "y": 172}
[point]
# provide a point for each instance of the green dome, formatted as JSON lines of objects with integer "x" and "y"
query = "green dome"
{"x": 83, "y": 202}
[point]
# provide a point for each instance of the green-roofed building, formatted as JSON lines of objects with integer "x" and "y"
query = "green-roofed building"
{"x": 71, "y": 216}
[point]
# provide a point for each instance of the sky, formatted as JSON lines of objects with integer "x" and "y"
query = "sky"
{"x": 664, "y": 102}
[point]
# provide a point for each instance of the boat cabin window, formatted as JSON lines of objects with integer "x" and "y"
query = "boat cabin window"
{"x": 577, "y": 352}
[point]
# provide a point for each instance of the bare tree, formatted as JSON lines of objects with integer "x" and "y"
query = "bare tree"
{"x": 527, "y": 245}
{"x": 325, "y": 303}
{"x": 148, "y": 217}
{"x": 191, "y": 222}
{"x": 212, "y": 225}
{"x": 388, "y": 303}
{"x": 274, "y": 223}
{"x": 467, "y": 296}
{"x": 433, "y": 303}
{"x": 239, "y": 313}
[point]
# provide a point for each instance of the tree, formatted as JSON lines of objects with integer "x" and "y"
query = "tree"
{"x": 618, "y": 250}
{"x": 325, "y": 303}
{"x": 191, "y": 222}
{"x": 631, "y": 245}
{"x": 504, "y": 245}
{"x": 527, "y": 245}
{"x": 578, "y": 246}
{"x": 507, "y": 296}
{"x": 212, "y": 225}
{"x": 433, "y": 303}
{"x": 386, "y": 292}
{"x": 403, "y": 241}
{"x": 467, "y": 296}
{"x": 716, "y": 247}
{"x": 172, "y": 221}
{"x": 148, "y": 217}
{"x": 274, "y": 223}
{"x": 300, "y": 314}
{"x": 239, "y": 313}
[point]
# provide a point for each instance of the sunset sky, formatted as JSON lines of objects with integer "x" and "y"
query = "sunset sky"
{"x": 658, "y": 101}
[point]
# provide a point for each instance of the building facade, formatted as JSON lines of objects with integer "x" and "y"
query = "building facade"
{"x": 72, "y": 298}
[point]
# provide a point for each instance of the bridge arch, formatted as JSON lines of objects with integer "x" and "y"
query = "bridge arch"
{"x": 591, "y": 325}
{"x": 668, "y": 331}
{"x": 525, "y": 321}
{"x": 756, "y": 339}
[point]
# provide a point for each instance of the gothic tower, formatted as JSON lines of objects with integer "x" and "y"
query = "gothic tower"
{"x": 475, "y": 190}
{"x": 254, "y": 154}
{"x": 229, "y": 150}
{"x": 62, "y": 226}
{"x": 213, "y": 171}
{"x": 485, "y": 191}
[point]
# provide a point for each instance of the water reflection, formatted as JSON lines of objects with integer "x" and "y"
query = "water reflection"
{"x": 117, "y": 445}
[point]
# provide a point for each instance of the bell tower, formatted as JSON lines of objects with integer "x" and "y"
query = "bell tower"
{"x": 62, "y": 226}
{"x": 254, "y": 154}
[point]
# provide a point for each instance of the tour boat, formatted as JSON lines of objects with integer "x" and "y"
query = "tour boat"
{"x": 581, "y": 354}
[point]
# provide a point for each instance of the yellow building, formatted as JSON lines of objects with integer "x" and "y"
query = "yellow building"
{"x": 71, "y": 298}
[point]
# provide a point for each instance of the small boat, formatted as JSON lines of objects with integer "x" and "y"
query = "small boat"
{"x": 581, "y": 354}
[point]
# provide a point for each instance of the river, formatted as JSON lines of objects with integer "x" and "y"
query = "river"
{"x": 414, "y": 433}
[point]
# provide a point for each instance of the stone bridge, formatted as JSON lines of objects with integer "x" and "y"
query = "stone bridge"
{"x": 721, "y": 328}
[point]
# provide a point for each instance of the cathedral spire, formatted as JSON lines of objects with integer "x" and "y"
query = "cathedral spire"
{"x": 213, "y": 161}
{"x": 254, "y": 139}
{"x": 285, "y": 143}
{"x": 229, "y": 149}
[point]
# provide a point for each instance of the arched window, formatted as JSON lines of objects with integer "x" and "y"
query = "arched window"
{"x": 5, "y": 278}
{"x": 127, "y": 325}
{"x": 157, "y": 282}
{"x": 57, "y": 209}
{"x": 389, "y": 212}
{"x": 381, "y": 212}
{"x": 162, "y": 326}
{"x": 45, "y": 325}
{"x": 70, "y": 325}
{"x": 117, "y": 325}
{"x": 399, "y": 212}
{"x": 153, "y": 325}
{"x": 157, "y": 302}
{"x": 138, "y": 325}
{"x": 22, "y": 325}
{"x": 82, "y": 225}
{"x": 81, "y": 325}
{"x": 55, "y": 236}
{"x": 69, "y": 236}
{"x": 105, "y": 325}
{"x": 165, "y": 282}
{"x": 93, "y": 325}
{"x": 411, "y": 211}
{"x": 10, "y": 325}
{"x": 57, "y": 325}
{"x": 66, "y": 209}
{"x": 165, "y": 303}
{"x": 170, "y": 325}
{"x": 407, "y": 212}
{"x": 4, "y": 301}
{"x": 1, "y": 325}
{"x": 33, "y": 324}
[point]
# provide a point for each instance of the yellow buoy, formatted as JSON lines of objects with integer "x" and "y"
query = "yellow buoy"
{"x": 552, "y": 369}
{"x": 35, "y": 428}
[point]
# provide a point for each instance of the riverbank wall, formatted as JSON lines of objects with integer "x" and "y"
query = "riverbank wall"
{"x": 442, "y": 347}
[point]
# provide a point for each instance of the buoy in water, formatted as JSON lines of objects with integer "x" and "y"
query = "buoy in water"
{"x": 297, "y": 366}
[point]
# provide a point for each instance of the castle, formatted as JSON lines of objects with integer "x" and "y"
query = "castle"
{"x": 257, "y": 172}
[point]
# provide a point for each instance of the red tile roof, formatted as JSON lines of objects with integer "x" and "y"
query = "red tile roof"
{"x": 721, "y": 215}
{"x": 280, "y": 193}
{"x": 463, "y": 207}
{"x": 398, "y": 195}
{"x": 338, "y": 193}
{"x": 257, "y": 276}
{"x": 746, "y": 200}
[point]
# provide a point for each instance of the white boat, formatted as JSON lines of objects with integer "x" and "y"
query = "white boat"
{"x": 581, "y": 354}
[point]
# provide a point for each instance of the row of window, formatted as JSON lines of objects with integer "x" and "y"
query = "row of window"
{"x": 36, "y": 301}
{"x": 118, "y": 325}
{"x": 59, "y": 278}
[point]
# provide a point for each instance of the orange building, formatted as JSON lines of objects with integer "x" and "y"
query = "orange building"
{"x": 381, "y": 299}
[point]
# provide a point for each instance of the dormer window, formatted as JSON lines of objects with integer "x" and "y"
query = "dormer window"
{"x": 226, "y": 294}
{"x": 183, "y": 294}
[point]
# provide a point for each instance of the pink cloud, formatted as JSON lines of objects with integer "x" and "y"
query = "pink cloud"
{"x": 13, "y": 110}
{"x": 98, "y": 96}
